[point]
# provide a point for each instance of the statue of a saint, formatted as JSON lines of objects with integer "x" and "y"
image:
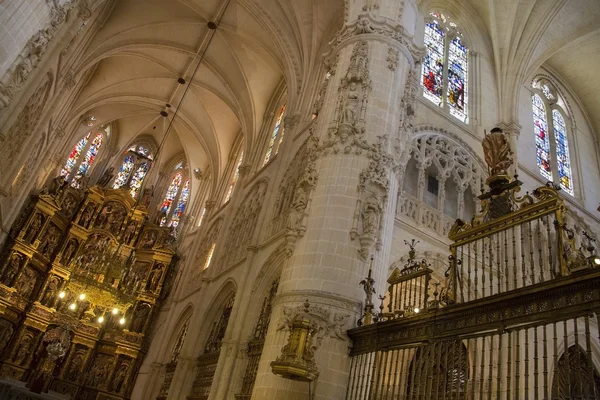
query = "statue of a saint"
{"x": 12, "y": 268}
{"x": 350, "y": 112}
{"x": 34, "y": 228}
{"x": 140, "y": 317}
{"x": 69, "y": 252}
{"x": 87, "y": 215}
{"x": 129, "y": 232}
{"x": 56, "y": 186}
{"x": 147, "y": 196}
{"x": 154, "y": 277}
{"x": 51, "y": 241}
{"x": 104, "y": 214}
{"x": 106, "y": 177}
{"x": 50, "y": 293}
{"x": 370, "y": 215}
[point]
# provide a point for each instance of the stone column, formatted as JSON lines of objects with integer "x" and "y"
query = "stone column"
{"x": 354, "y": 170}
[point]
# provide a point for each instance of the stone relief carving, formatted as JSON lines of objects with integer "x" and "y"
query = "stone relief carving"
{"x": 346, "y": 130}
{"x": 408, "y": 103}
{"x": 373, "y": 188}
{"x": 324, "y": 322}
{"x": 25, "y": 125}
{"x": 299, "y": 205}
{"x": 242, "y": 227}
{"x": 371, "y": 5}
{"x": 35, "y": 49}
{"x": 367, "y": 23}
{"x": 392, "y": 58}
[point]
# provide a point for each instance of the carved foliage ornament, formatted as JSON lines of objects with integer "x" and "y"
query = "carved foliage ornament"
{"x": 243, "y": 224}
{"x": 348, "y": 126}
{"x": 325, "y": 322}
{"x": 35, "y": 49}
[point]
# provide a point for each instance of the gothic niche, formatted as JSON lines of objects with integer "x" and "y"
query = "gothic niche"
{"x": 367, "y": 223}
{"x": 353, "y": 94}
{"x": 87, "y": 260}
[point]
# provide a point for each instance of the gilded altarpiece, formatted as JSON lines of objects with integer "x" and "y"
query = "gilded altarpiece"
{"x": 90, "y": 262}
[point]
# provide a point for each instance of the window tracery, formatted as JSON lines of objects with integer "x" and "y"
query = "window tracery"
{"x": 82, "y": 156}
{"x": 551, "y": 136}
{"x": 276, "y": 137}
{"x": 445, "y": 66}
{"x": 440, "y": 182}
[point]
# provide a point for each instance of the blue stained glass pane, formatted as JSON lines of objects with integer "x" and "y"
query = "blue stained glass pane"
{"x": 90, "y": 156}
{"x": 562, "y": 152}
{"x": 138, "y": 178}
{"x": 74, "y": 156}
{"x": 183, "y": 198}
{"x": 542, "y": 143}
{"x": 170, "y": 197}
{"x": 433, "y": 64}
{"x": 457, "y": 79}
{"x": 124, "y": 172}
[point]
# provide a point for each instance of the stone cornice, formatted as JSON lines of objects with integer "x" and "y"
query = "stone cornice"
{"x": 367, "y": 27}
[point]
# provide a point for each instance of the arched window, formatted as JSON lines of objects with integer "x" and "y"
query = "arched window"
{"x": 444, "y": 71}
{"x": 236, "y": 174}
{"x": 82, "y": 156}
{"x": 551, "y": 139}
{"x": 175, "y": 200}
{"x": 276, "y": 136}
{"x": 133, "y": 170}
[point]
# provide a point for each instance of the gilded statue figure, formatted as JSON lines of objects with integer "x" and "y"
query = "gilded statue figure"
{"x": 497, "y": 151}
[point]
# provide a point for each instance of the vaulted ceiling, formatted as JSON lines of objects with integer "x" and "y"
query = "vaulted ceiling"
{"x": 146, "y": 45}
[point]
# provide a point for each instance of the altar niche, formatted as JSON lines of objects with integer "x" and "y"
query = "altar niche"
{"x": 90, "y": 264}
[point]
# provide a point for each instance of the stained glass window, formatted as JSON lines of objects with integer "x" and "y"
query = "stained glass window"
{"x": 138, "y": 178}
{"x": 124, "y": 172}
{"x": 236, "y": 174}
{"x": 562, "y": 152}
{"x": 542, "y": 143}
{"x": 165, "y": 207}
{"x": 445, "y": 65}
{"x": 74, "y": 156}
{"x": 433, "y": 64}
{"x": 547, "y": 93}
{"x": 86, "y": 164}
{"x": 274, "y": 142}
{"x": 457, "y": 78}
{"x": 183, "y": 198}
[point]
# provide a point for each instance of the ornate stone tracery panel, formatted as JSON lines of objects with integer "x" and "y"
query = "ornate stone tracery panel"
{"x": 441, "y": 180}
{"x": 243, "y": 225}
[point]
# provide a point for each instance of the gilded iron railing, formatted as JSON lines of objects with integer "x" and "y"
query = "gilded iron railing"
{"x": 517, "y": 314}
{"x": 538, "y": 342}
{"x": 527, "y": 246}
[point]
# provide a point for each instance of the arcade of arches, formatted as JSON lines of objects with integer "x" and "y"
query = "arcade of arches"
{"x": 277, "y": 199}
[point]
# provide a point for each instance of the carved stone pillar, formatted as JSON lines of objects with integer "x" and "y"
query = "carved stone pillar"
{"x": 350, "y": 217}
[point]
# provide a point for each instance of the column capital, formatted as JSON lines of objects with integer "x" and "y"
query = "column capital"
{"x": 510, "y": 128}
